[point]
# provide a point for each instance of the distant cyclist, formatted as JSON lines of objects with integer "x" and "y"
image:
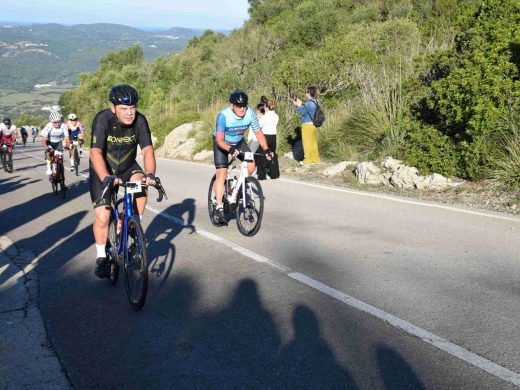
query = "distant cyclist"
{"x": 75, "y": 130}
{"x": 228, "y": 139}
{"x": 8, "y": 134}
{"x": 53, "y": 135}
{"x": 34, "y": 133}
{"x": 23, "y": 133}
{"x": 117, "y": 132}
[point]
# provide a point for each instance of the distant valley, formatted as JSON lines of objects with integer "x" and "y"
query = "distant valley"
{"x": 52, "y": 55}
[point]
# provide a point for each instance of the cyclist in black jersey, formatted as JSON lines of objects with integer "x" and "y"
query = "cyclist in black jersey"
{"x": 116, "y": 134}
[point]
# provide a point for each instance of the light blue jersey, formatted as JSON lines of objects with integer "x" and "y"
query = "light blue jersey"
{"x": 234, "y": 127}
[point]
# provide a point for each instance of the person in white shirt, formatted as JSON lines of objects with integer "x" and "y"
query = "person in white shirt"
{"x": 8, "y": 133}
{"x": 53, "y": 135}
{"x": 269, "y": 124}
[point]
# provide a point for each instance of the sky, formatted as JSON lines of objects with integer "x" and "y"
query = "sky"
{"x": 160, "y": 14}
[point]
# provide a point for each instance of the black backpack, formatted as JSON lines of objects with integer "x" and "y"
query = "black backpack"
{"x": 319, "y": 117}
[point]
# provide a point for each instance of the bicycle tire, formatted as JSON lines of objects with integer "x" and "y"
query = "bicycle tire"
{"x": 249, "y": 218}
{"x": 9, "y": 162}
{"x": 54, "y": 184}
{"x": 111, "y": 251}
{"x": 61, "y": 180}
{"x": 135, "y": 264}
{"x": 4, "y": 165}
{"x": 212, "y": 205}
{"x": 76, "y": 161}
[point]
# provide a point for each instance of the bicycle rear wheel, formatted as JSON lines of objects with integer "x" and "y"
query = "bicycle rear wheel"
{"x": 249, "y": 217}
{"x": 135, "y": 264}
{"x": 111, "y": 250}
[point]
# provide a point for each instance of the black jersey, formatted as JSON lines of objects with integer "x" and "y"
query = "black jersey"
{"x": 119, "y": 142}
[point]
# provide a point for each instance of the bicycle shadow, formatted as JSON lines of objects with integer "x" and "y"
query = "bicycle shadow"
{"x": 27, "y": 167}
{"x": 40, "y": 243}
{"x": 18, "y": 215}
{"x": 160, "y": 235}
{"x": 12, "y": 184}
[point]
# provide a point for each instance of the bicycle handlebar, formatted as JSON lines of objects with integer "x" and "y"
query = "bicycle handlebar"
{"x": 158, "y": 186}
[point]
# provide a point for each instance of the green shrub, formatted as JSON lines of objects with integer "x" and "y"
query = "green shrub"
{"x": 428, "y": 150}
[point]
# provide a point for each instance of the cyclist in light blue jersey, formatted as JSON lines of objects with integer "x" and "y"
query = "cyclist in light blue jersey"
{"x": 228, "y": 139}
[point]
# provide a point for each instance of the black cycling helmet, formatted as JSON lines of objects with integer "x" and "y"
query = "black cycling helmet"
{"x": 123, "y": 94}
{"x": 238, "y": 98}
{"x": 7, "y": 121}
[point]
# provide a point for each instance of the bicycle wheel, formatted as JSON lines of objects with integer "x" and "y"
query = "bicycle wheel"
{"x": 61, "y": 179}
{"x": 4, "y": 165}
{"x": 76, "y": 161}
{"x": 111, "y": 250}
{"x": 212, "y": 203}
{"x": 9, "y": 162}
{"x": 249, "y": 218}
{"x": 54, "y": 183}
{"x": 135, "y": 264}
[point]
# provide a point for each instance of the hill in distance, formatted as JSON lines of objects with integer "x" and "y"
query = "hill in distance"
{"x": 41, "y": 54}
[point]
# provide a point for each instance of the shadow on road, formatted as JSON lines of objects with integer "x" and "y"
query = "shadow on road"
{"x": 16, "y": 216}
{"x": 239, "y": 347}
{"x": 160, "y": 235}
{"x": 395, "y": 371}
{"x": 14, "y": 183}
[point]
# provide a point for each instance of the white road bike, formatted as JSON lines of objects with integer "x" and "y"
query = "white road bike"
{"x": 243, "y": 196}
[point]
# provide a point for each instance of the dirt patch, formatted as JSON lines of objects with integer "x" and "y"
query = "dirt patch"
{"x": 482, "y": 195}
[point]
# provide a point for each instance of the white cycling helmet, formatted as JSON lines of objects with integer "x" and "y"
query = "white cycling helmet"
{"x": 73, "y": 117}
{"x": 55, "y": 116}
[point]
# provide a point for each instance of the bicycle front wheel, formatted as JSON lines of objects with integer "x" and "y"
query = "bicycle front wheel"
{"x": 61, "y": 180}
{"x": 250, "y": 212}
{"x": 9, "y": 163}
{"x": 135, "y": 264}
{"x": 76, "y": 161}
{"x": 212, "y": 202}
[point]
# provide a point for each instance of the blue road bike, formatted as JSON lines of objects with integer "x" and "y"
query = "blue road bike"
{"x": 126, "y": 242}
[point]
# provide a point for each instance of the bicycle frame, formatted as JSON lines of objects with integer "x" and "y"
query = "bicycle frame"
{"x": 240, "y": 181}
{"x": 128, "y": 211}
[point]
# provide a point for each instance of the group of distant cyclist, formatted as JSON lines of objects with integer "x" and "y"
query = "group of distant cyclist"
{"x": 55, "y": 133}
{"x": 119, "y": 130}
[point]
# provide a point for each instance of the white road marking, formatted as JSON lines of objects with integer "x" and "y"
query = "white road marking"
{"x": 430, "y": 338}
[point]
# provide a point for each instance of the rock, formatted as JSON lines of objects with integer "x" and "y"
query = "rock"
{"x": 177, "y": 144}
{"x": 338, "y": 168}
{"x": 203, "y": 155}
{"x": 368, "y": 173}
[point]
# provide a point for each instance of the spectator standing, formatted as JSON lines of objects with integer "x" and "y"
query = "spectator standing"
{"x": 251, "y": 137}
{"x": 309, "y": 131}
{"x": 269, "y": 124}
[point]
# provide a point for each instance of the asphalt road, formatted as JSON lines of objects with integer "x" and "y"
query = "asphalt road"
{"x": 339, "y": 289}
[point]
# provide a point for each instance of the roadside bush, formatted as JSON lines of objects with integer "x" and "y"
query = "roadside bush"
{"x": 428, "y": 150}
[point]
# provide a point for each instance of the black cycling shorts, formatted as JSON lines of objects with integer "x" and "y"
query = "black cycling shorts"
{"x": 96, "y": 185}
{"x": 221, "y": 156}
{"x": 55, "y": 146}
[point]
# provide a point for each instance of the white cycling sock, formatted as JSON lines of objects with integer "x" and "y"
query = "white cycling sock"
{"x": 100, "y": 249}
